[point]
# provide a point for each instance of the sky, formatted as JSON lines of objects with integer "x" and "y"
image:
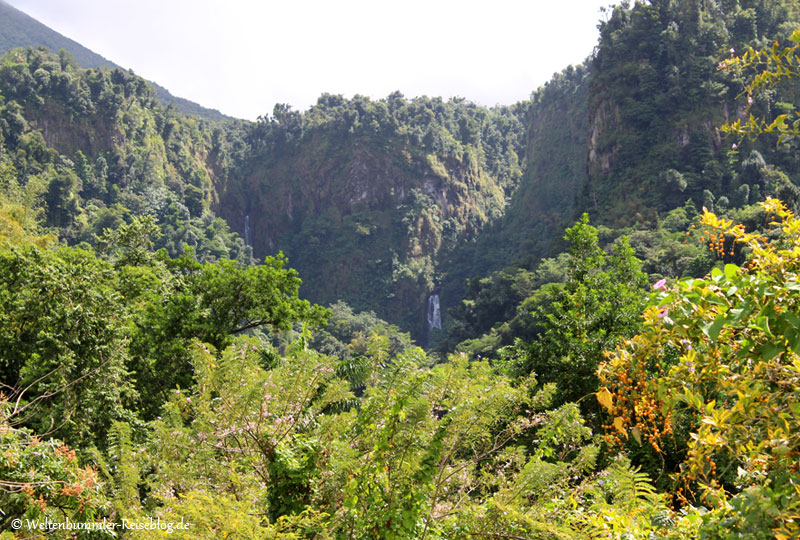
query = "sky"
{"x": 244, "y": 56}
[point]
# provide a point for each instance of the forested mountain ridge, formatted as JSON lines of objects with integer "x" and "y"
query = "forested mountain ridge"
{"x": 658, "y": 97}
{"x": 633, "y": 136}
{"x": 19, "y": 30}
{"x": 362, "y": 195}
{"x": 548, "y": 195}
{"x": 385, "y": 202}
{"x": 633, "y": 133}
{"x": 94, "y": 147}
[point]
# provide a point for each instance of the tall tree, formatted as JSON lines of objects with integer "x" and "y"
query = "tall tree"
{"x": 600, "y": 302}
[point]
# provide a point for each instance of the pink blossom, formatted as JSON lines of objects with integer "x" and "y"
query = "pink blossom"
{"x": 661, "y": 284}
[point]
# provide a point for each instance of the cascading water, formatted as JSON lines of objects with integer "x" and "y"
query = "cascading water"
{"x": 247, "y": 240}
{"x": 434, "y": 313}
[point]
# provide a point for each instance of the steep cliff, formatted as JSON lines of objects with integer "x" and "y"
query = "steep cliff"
{"x": 658, "y": 98}
{"x": 366, "y": 196}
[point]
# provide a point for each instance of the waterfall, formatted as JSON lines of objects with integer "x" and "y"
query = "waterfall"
{"x": 247, "y": 240}
{"x": 434, "y": 313}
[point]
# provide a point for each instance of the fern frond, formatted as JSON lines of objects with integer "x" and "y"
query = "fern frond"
{"x": 631, "y": 486}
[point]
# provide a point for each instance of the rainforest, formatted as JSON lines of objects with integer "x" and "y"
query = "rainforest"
{"x": 574, "y": 317}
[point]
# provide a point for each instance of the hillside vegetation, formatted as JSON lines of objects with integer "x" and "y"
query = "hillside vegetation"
{"x": 384, "y": 203}
{"x": 366, "y": 196}
{"x": 621, "y": 343}
{"x": 633, "y": 138}
{"x": 19, "y": 30}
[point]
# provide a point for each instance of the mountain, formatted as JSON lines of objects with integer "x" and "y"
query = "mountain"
{"x": 634, "y": 133}
{"x": 633, "y": 138}
{"x": 658, "y": 98}
{"x": 388, "y": 203}
{"x": 20, "y": 30}
{"x": 154, "y": 371}
{"x": 366, "y": 197}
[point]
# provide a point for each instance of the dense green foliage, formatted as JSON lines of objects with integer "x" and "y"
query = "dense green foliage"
{"x": 632, "y": 134}
{"x": 632, "y": 138}
{"x": 151, "y": 368}
{"x": 377, "y": 193}
{"x": 554, "y": 177}
{"x": 658, "y": 98}
{"x": 384, "y": 202}
{"x": 63, "y": 342}
{"x": 600, "y": 302}
{"x": 118, "y": 154}
{"x": 385, "y": 186}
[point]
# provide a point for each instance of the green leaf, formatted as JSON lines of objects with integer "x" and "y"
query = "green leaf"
{"x": 792, "y": 319}
{"x": 735, "y": 315}
{"x": 795, "y": 408}
{"x": 730, "y": 271}
{"x": 793, "y": 336}
{"x": 768, "y": 351}
{"x": 762, "y": 321}
{"x": 712, "y": 329}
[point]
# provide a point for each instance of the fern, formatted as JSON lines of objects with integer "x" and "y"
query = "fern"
{"x": 123, "y": 474}
{"x": 635, "y": 510}
{"x": 631, "y": 487}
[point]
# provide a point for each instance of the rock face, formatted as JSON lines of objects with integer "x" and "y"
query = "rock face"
{"x": 602, "y": 151}
{"x": 366, "y": 219}
{"x": 547, "y": 197}
{"x": 383, "y": 222}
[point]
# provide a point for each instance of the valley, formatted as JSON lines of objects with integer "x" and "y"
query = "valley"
{"x": 410, "y": 317}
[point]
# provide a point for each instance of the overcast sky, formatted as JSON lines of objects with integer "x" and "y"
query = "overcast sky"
{"x": 243, "y": 56}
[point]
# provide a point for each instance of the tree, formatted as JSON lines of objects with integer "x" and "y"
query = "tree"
{"x": 600, "y": 303}
{"x": 181, "y": 300}
{"x": 401, "y": 465}
{"x": 61, "y": 198}
{"x": 774, "y": 66}
{"x": 232, "y": 298}
{"x": 130, "y": 244}
{"x": 63, "y": 354}
{"x": 193, "y": 197}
